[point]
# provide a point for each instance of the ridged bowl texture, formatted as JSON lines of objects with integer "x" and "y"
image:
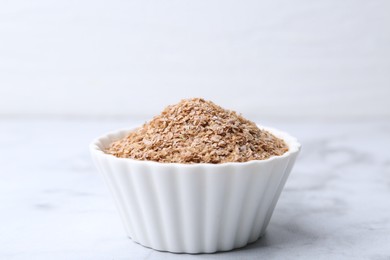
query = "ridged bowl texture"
{"x": 194, "y": 208}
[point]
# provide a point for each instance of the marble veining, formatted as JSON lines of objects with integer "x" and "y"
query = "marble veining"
{"x": 54, "y": 204}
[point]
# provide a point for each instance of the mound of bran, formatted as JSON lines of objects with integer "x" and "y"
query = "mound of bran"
{"x": 198, "y": 131}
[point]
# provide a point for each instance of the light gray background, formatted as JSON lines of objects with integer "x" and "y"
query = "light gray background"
{"x": 266, "y": 58}
{"x": 73, "y": 70}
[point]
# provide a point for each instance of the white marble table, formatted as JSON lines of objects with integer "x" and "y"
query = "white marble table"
{"x": 54, "y": 204}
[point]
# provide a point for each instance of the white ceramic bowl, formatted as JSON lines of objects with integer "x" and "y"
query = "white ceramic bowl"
{"x": 194, "y": 208}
